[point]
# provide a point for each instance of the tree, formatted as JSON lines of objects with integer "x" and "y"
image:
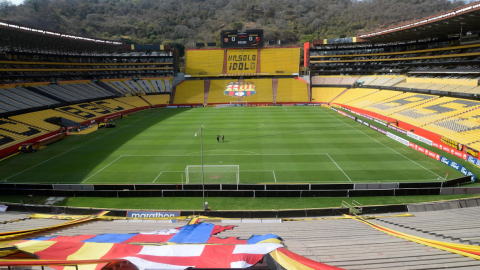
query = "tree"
{"x": 5, "y": 7}
{"x": 236, "y": 26}
{"x": 35, "y": 4}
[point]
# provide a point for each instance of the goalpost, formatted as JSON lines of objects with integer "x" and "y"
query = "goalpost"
{"x": 213, "y": 174}
{"x": 243, "y": 103}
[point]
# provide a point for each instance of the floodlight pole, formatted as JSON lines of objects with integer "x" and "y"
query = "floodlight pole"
{"x": 203, "y": 176}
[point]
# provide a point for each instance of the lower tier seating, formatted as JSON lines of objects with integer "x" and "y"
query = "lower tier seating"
{"x": 289, "y": 90}
{"x": 157, "y": 99}
{"x": 325, "y": 94}
{"x": 190, "y": 92}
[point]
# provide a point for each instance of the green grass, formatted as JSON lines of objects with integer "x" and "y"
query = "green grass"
{"x": 229, "y": 203}
{"x": 286, "y": 145}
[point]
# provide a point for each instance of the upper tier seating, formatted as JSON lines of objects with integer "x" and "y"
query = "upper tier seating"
{"x": 436, "y": 110}
{"x": 158, "y": 85}
{"x": 400, "y": 103}
{"x": 190, "y": 92}
{"x": 292, "y": 90}
{"x": 381, "y": 81}
{"x": 122, "y": 88}
{"x": 367, "y": 80}
{"x": 145, "y": 85}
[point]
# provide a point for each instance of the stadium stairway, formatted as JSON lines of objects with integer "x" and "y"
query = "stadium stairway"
{"x": 174, "y": 91}
{"x": 206, "y": 89}
{"x": 146, "y": 101}
{"x": 343, "y": 92}
{"x": 274, "y": 89}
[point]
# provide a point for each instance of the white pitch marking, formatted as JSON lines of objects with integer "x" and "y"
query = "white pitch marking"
{"x": 380, "y": 143}
{"x": 285, "y": 108}
{"x": 256, "y": 154}
{"x": 157, "y": 177}
{"x": 339, "y": 167}
{"x": 71, "y": 149}
{"x": 274, "y": 176}
{"x": 101, "y": 169}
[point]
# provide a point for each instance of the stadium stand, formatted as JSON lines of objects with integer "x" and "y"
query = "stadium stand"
{"x": 325, "y": 94}
{"x": 204, "y": 62}
{"x": 283, "y": 61}
{"x": 436, "y": 110}
{"x": 37, "y": 119}
{"x": 12, "y": 132}
{"x": 146, "y": 86}
{"x": 264, "y": 89}
{"x": 157, "y": 99}
{"x": 216, "y": 93}
{"x": 374, "y": 98}
{"x": 292, "y": 90}
{"x": 400, "y": 103}
{"x": 136, "y": 102}
{"x": 464, "y": 128}
{"x": 190, "y": 92}
{"x": 354, "y": 94}
{"x": 158, "y": 85}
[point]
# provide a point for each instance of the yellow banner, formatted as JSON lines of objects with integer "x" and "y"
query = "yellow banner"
{"x": 241, "y": 61}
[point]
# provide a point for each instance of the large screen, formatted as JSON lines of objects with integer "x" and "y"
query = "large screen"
{"x": 247, "y": 39}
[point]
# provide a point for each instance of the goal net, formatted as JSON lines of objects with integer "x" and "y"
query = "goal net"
{"x": 239, "y": 103}
{"x": 213, "y": 174}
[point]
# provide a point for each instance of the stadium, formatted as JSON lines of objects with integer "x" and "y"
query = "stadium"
{"x": 349, "y": 153}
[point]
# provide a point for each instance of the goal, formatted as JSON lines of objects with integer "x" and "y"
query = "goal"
{"x": 237, "y": 103}
{"x": 213, "y": 174}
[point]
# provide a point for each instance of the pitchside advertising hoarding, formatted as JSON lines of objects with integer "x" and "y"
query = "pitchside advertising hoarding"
{"x": 154, "y": 214}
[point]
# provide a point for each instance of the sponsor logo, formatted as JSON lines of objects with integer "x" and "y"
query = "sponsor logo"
{"x": 185, "y": 106}
{"x": 455, "y": 165}
{"x": 301, "y": 104}
{"x": 171, "y": 107}
{"x": 240, "y": 89}
{"x": 333, "y": 108}
{"x": 445, "y": 160}
{"x": 153, "y": 214}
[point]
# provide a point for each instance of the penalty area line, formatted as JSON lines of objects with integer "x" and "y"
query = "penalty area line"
{"x": 339, "y": 167}
{"x": 157, "y": 177}
{"x": 101, "y": 169}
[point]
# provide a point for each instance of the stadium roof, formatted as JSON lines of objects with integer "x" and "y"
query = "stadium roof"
{"x": 47, "y": 32}
{"x": 463, "y": 19}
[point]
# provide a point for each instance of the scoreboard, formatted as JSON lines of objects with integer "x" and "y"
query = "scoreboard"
{"x": 247, "y": 39}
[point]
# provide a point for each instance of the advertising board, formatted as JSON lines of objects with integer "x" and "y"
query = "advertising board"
{"x": 153, "y": 214}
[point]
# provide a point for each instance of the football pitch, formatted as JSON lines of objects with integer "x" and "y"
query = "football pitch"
{"x": 269, "y": 144}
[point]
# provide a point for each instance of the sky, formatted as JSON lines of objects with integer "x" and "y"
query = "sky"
{"x": 16, "y": 2}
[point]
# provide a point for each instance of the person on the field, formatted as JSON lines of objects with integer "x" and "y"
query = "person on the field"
{"x": 223, "y": 138}
{"x": 218, "y": 138}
